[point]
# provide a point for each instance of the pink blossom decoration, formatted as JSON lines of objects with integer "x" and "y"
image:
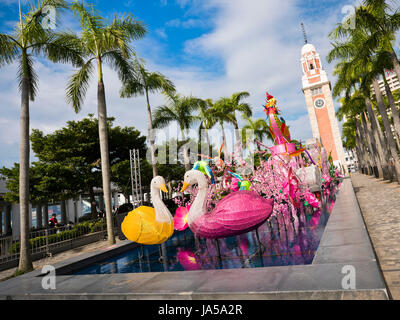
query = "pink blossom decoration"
{"x": 180, "y": 219}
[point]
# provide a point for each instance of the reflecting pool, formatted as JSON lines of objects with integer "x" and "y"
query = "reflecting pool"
{"x": 281, "y": 241}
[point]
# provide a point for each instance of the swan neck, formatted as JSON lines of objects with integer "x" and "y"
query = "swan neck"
{"x": 199, "y": 206}
{"x": 162, "y": 212}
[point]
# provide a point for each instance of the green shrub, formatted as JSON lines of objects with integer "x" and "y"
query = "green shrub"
{"x": 78, "y": 230}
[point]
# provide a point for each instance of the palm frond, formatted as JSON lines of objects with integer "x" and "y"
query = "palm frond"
{"x": 89, "y": 21}
{"x": 26, "y": 70}
{"x": 9, "y": 49}
{"x": 163, "y": 116}
{"x": 78, "y": 84}
{"x": 119, "y": 63}
{"x": 61, "y": 47}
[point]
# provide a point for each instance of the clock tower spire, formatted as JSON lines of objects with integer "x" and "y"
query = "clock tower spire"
{"x": 321, "y": 111}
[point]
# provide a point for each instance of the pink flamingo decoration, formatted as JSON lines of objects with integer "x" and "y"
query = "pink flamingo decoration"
{"x": 237, "y": 213}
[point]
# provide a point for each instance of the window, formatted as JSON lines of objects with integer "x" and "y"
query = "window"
{"x": 311, "y": 66}
{"x": 316, "y": 91}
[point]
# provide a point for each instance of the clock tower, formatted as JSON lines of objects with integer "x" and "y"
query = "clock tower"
{"x": 321, "y": 111}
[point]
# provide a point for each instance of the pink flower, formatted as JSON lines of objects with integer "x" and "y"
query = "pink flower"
{"x": 180, "y": 219}
{"x": 235, "y": 184}
{"x": 311, "y": 199}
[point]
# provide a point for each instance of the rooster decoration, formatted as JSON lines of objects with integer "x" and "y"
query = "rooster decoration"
{"x": 277, "y": 126}
{"x": 279, "y": 131}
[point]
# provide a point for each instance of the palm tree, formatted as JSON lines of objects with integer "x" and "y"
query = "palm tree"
{"x": 207, "y": 121}
{"x": 258, "y": 128}
{"x": 144, "y": 82}
{"x": 179, "y": 109}
{"x": 382, "y": 22}
{"x": 354, "y": 103}
{"x": 29, "y": 39}
{"x": 377, "y": 22}
{"x": 101, "y": 42}
{"x": 218, "y": 113}
{"x": 229, "y": 106}
{"x": 363, "y": 67}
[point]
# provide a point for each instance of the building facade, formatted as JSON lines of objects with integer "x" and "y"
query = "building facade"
{"x": 318, "y": 94}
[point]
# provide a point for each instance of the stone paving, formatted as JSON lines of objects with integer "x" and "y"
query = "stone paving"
{"x": 60, "y": 257}
{"x": 380, "y": 204}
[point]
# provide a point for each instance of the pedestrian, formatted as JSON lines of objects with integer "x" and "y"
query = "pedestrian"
{"x": 53, "y": 222}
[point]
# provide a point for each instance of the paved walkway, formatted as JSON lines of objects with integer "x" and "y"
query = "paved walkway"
{"x": 60, "y": 257}
{"x": 380, "y": 204}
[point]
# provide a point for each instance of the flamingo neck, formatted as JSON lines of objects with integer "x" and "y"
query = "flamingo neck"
{"x": 162, "y": 212}
{"x": 199, "y": 206}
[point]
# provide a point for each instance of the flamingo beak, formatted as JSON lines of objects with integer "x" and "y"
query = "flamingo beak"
{"x": 185, "y": 186}
{"x": 163, "y": 188}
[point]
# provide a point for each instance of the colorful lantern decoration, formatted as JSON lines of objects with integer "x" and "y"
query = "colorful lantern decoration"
{"x": 239, "y": 183}
{"x": 237, "y": 213}
{"x": 203, "y": 167}
{"x": 146, "y": 225}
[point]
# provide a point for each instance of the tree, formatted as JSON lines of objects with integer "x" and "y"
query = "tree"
{"x": 48, "y": 183}
{"x": 30, "y": 39}
{"x": 259, "y": 129}
{"x": 77, "y": 147}
{"x": 382, "y": 21}
{"x": 349, "y": 134}
{"x": 179, "y": 109}
{"x": 101, "y": 42}
{"x": 217, "y": 112}
{"x": 362, "y": 67}
{"x": 144, "y": 82}
{"x": 207, "y": 121}
{"x": 229, "y": 107}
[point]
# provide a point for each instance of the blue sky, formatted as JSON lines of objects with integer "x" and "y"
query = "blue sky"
{"x": 209, "y": 48}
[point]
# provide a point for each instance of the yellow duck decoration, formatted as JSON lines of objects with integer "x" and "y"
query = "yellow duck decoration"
{"x": 146, "y": 225}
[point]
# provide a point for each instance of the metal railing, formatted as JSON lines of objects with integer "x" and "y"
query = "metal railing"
{"x": 48, "y": 240}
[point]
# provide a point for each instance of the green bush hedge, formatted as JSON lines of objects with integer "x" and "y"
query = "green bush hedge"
{"x": 78, "y": 230}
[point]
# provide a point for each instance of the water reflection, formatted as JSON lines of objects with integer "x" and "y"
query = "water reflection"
{"x": 283, "y": 240}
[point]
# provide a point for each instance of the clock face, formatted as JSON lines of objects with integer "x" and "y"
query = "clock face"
{"x": 319, "y": 103}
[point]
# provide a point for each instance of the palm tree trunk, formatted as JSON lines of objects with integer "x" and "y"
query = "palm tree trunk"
{"x": 361, "y": 145}
{"x": 185, "y": 152}
{"x": 46, "y": 215}
{"x": 63, "y": 212}
{"x": 238, "y": 140}
{"x": 359, "y": 152}
{"x": 388, "y": 129}
{"x": 25, "y": 261}
{"x": 39, "y": 216}
{"x": 375, "y": 162}
{"x": 396, "y": 63}
{"x": 393, "y": 108}
{"x": 378, "y": 140}
{"x": 105, "y": 159}
{"x": 226, "y": 157}
{"x": 151, "y": 136}
{"x": 208, "y": 143}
